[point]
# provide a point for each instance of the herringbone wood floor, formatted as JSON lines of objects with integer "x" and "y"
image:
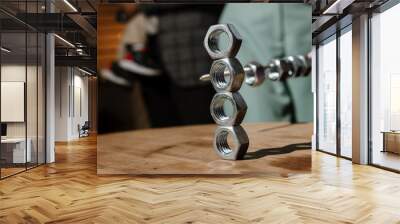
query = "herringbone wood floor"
{"x": 69, "y": 191}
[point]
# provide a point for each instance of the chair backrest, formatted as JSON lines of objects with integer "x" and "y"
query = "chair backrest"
{"x": 86, "y": 125}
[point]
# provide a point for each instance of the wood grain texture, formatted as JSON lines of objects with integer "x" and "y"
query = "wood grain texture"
{"x": 109, "y": 32}
{"x": 274, "y": 148}
{"x": 69, "y": 191}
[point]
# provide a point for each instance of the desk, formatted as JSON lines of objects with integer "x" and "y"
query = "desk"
{"x": 391, "y": 141}
{"x": 13, "y": 150}
{"x": 275, "y": 148}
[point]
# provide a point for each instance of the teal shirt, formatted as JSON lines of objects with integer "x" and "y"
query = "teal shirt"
{"x": 274, "y": 31}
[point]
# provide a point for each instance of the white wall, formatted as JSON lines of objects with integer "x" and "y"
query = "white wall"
{"x": 71, "y": 93}
{"x": 33, "y": 126}
{"x": 62, "y": 81}
{"x": 81, "y": 98}
{"x": 12, "y": 73}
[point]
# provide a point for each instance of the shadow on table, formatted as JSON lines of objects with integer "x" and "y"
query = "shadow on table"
{"x": 277, "y": 151}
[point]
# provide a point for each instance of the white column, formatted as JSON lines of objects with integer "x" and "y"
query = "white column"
{"x": 50, "y": 99}
{"x": 50, "y": 92}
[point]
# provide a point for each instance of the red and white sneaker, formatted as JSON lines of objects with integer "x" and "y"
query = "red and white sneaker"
{"x": 139, "y": 62}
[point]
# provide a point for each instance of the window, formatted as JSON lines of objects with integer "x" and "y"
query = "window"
{"x": 385, "y": 89}
{"x": 327, "y": 96}
{"x": 346, "y": 95}
{"x": 22, "y": 77}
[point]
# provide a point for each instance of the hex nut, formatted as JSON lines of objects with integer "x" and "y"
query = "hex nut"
{"x": 294, "y": 66}
{"x": 254, "y": 74}
{"x": 227, "y": 74}
{"x": 277, "y": 70}
{"x": 212, "y": 38}
{"x": 219, "y": 114}
{"x": 305, "y": 65}
{"x": 222, "y": 147}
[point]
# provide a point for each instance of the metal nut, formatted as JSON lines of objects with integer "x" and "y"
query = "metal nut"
{"x": 212, "y": 38}
{"x": 277, "y": 70}
{"x": 305, "y": 64}
{"x": 226, "y": 75}
{"x": 219, "y": 111}
{"x": 231, "y": 152}
{"x": 295, "y": 66}
{"x": 254, "y": 73}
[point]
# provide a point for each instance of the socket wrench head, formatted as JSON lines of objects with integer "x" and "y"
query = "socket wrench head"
{"x": 226, "y": 75}
{"x": 228, "y": 150}
{"x": 228, "y": 109}
{"x": 212, "y": 41}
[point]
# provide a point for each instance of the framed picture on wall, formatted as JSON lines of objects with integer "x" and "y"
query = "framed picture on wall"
{"x": 12, "y": 101}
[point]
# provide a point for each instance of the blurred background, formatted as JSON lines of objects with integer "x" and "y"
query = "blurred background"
{"x": 150, "y": 58}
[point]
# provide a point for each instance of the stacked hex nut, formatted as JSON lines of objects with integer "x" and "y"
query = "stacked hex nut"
{"x": 227, "y": 75}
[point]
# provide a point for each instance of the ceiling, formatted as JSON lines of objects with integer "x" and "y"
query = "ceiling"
{"x": 73, "y": 20}
{"x": 332, "y": 15}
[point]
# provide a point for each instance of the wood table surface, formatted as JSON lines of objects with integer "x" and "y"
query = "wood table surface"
{"x": 275, "y": 148}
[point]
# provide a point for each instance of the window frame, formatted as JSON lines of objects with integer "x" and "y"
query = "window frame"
{"x": 378, "y": 10}
{"x": 345, "y": 27}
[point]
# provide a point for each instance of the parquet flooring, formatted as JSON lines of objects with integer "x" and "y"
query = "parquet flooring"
{"x": 69, "y": 191}
{"x": 10, "y": 171}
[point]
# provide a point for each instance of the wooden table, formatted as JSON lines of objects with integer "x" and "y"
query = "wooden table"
{"x": 275, "y": 148}
{"x": 391, "y": 141}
